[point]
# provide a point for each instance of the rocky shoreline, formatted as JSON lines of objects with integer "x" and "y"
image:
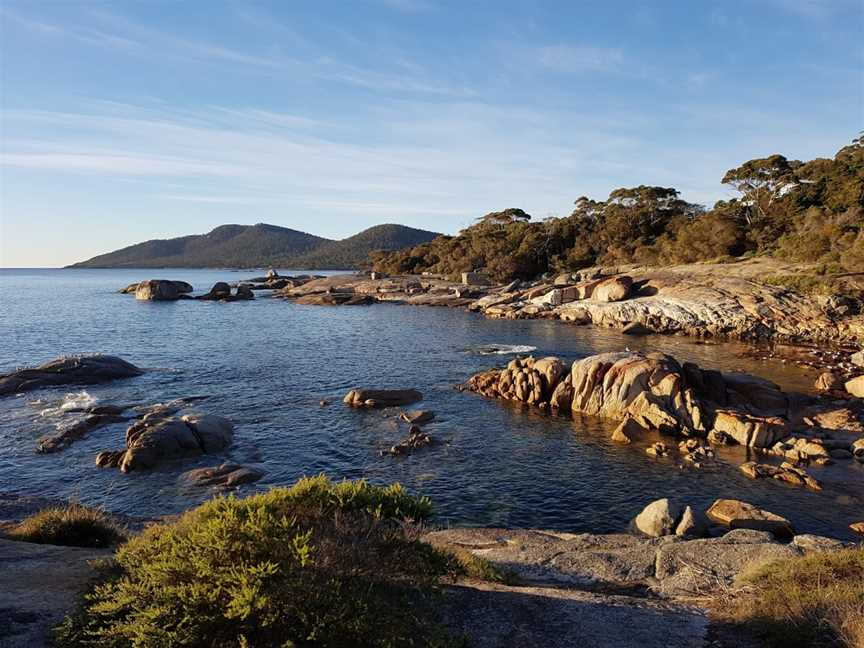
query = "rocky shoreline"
{"x": 726, "y": 301}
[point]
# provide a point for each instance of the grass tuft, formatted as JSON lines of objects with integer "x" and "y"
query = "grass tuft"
{"x": 813, "y": 600}
{"x": 72, "y": 525}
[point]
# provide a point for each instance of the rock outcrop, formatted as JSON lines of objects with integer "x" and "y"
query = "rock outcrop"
{"x": 647, "y": 391}
{"x": 68, "y": 370}
{"x": 182, "y": 287}
{"x": 667, "y": 567}
{"x": 158, "y": 290}
{"x": 736, "y": 514}
{"x": 382, "y": 397}
{"x": 158, "y": 437}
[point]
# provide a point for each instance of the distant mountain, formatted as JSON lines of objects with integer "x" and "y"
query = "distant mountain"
{"x": 354, "y": 251}
{"x": 261, "y": 245}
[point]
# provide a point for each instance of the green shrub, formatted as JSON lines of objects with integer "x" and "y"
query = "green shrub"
{"x": 72, "y": 525}
{"x": 814, "y": 600}
{"x": 317, "y": 564}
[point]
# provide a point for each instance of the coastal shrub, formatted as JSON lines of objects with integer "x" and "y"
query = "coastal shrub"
{"x": 316, "y": 564}
{"x": 72, "y": 525}
{"x": 813, "y": 600}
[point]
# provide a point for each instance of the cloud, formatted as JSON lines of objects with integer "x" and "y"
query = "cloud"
{"x": 407, "y": 77}
{"x": 570, "y": 59}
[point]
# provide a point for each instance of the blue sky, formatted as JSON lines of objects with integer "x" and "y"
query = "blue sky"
{"x": 125, "y": 121}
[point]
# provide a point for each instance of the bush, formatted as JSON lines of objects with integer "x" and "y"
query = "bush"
{"x": 318, "y": 564}
{"x": 72, "y": 525}
{"x": 814, "y": 600}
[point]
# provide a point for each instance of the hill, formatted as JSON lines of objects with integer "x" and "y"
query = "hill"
{"x": 261, "y": 245}
{"x": 354, "y": 251}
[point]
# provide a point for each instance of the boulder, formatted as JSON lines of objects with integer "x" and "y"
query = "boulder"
{"x": 627, "y": 430}
{"x": 658, "y": 449}
{"x": 220, "y": 290}
{"x": 416, "y": 439}
{"x": 658, "y": 518}
{"x": 692, "y": 524}
{"x": 68, "y": 370}
{"x": 808, "y": 543}
{"x": 382, "y": 397}
{"x": 857, "y": 358}
{"x": 224, "y": 476}
{"x": 857, "y": 527}
{"x": 214, "y": 433}
{"x": 857, "y": 449}
{"x": 856, "y": 386}
{"x": 418, "y": 417}
{"x": 785, "y": 472}
{"x": 475, "y": 279}
{"x": 158, "y": 437}
{"x": 636, "y": 328}
{"x": 650, "y": 388}
{"x": 613, "y": 289}
{"x": 828, "y": 382}
{"x": 157, "y": 290}
{"x": 748, "y": 430}
{"x": 244, "y": 292}
{"x": 736, "y": 514}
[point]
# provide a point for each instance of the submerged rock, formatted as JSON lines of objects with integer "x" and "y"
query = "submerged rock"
{"x": 69, "y": 370}
{"x": 416, "y": 439}
{"x": 223, "y": 476}
{"x": 418, "y": 417}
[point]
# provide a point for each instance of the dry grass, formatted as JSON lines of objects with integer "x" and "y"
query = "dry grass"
{"x": 814, "y": 600}
{"x": 72, "y": 525}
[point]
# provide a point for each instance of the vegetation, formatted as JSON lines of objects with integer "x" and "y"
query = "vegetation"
{"x": 72, "y": 525}
{"x": 814, "y": 600}
{"x": 319, "y": 563}
{"x": 809, "y": 212}
{"x": 253, "y": 246}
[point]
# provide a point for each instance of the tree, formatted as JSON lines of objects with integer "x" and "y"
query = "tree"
{"x": 762, "y": 181}
{"x": 505, "y": 217}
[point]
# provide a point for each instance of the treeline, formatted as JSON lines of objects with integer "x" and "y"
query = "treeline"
{"x": 799, "y": 211}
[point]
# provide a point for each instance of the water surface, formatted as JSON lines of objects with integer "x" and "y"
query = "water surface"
{"x": 266, "y": 365}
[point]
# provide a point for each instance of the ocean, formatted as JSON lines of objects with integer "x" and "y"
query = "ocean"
{"x": 267, "y": 364}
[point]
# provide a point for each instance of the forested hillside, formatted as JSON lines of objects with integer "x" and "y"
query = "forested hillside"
{"x": 800, "y": 211}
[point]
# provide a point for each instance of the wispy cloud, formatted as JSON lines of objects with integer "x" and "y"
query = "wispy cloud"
{"x": 572, "y": 59}
{"x": 118, "y": 32}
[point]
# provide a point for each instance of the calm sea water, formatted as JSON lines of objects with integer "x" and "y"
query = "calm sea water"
{"x": 267, "y": 364}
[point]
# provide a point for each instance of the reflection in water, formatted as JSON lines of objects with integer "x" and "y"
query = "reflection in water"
{"x": 267, "y": 364}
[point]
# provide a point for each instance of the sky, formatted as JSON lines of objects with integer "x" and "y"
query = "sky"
{"x": 126, "y": 121}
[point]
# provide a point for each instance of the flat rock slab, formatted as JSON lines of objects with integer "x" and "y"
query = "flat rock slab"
{"x": 39, "y": 585}
{"x": 498, "y": 616}
{"x": 669, "y": 567}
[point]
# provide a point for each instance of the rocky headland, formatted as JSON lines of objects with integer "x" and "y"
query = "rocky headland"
{"x": 743, "y": 300}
